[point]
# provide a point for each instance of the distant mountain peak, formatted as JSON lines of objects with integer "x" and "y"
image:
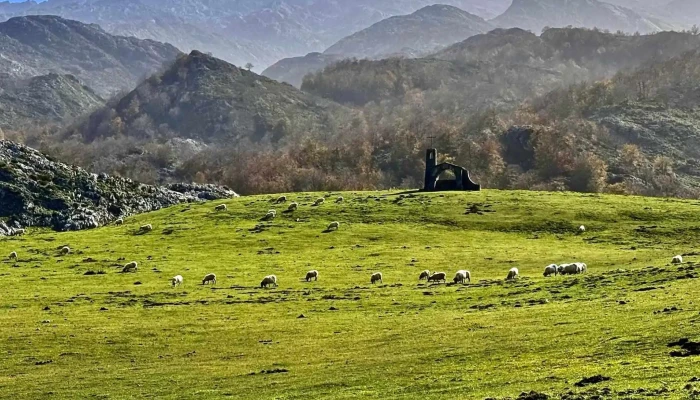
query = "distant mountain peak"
{"x": 537, "y": 14}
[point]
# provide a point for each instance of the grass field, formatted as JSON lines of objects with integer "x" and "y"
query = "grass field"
{"x": 65, "y": 334}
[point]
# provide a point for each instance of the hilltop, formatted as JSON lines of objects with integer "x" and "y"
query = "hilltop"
{"x": 39, "y": 45}
{"x": 209, "y": 100}
{"x": 625, "y": 329}
{"x": 39, "y": 192}
{"x": 50, "y": 98}
{"x": 423, "y": 32}
{"x": 534, "y": 15}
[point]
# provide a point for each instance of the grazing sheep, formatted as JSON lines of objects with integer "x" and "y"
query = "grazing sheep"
{"x": 581, "y": 229}
{"x": 221, "y": 207}
{"x": 281, "y": 199}
{"x": 376, "y": 277}
{"x": 131, "y": 267}
{"x": 18, "y": 232}
{"x": 571, "y": 269}
{"x": 319, "y": 201}
{"x": 462, "y": 276}
{"x": 582, "y": 267}
{"x": 177, "y": 280}
{"x": 209, "y": 278}
{"x": 677, "y": 260}
{"x": 268, "y": 281}
{"x": 560, "y": 269}
{"x": 340, "y": 199}
{"x": 13, "y": 255}
{"x": 312, "y": 275}
{"x": 513, "y": 274}
{"x": 333, "y": 226}
{"x": 269, "y": 216}
{"x": 120, "y": 221}
{"x": 293, "y": 206}
{"x": 65, "y": 250}
{"x": 146, "y": 228}
{"x": 273, "y": 212}
{"x": 424, "y": 275}
{"x": 551, "y": 270}
{"x": 437, "y": 277}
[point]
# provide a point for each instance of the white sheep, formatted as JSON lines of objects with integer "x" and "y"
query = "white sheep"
{"x": 293, "y": 206}
{"x": 131, "y": 267}
{"x": 268, "y": 281}
{"x": 221, "y": 207}
{"x": 146, "y": 228}
{"x": 209, "y": 278}
{"x": 376, "y": 277}
{"x": 177, "y": 280}
{"x": 269, "y": 216}
{"x": 437, "y": 277}
{"x": 340, "y": 199}
{"x": 513, "y": 274}
{"x": 18, "y": 232}
{"x": 335, "y": 225}
{"x": 551, "y": 270}
{"x": 273, "y": 212}
{"x": 677, "y": 260}
{"x": 312, "y": 275}
{"x": 281, "y": 199}
{"x": 581, "y": 229}
{"x": 13, "y": 255}
{"x": 65, "y": 250}
{"x": 571, "y": 269}
{"x": 319, "y": 201}
{"x": 120, "y": 221}
{"x": 582, "y": 267}
{"x": 424, "y": 275}
{"x": 462, "y": 276}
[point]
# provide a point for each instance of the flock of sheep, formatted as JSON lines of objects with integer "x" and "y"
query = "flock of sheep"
{"x": 461, "y": 276}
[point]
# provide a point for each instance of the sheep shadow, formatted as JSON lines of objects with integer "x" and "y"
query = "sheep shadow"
{"x": 329, "y": 230}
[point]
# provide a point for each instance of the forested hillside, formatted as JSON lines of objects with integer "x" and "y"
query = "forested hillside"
{"x": 573, "y": 109}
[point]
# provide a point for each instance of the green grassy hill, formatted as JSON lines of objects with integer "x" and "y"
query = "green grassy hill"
{"x": 67, "y": 333}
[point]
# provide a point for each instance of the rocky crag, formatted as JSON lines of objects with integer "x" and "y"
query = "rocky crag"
{"x": 36, "y": 191}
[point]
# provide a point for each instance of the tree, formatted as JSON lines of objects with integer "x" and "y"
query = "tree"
{"x": 589, "y": 174}
{"x": 249, "y": 66}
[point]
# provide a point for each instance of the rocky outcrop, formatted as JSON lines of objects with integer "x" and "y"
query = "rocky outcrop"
{"x": 37, "y": 191}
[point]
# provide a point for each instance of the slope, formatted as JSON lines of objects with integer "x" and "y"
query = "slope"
{"x": 45, "y": 99}
{"x": 39, "y": 45}
{"x": 203, "y": 98}
{"x": 534, "y": 15}
{"x": 499, "y": 68}
{"x": 654, "y": 108}
{"x": 293, "y": 70}
{"x": 37, "y": 191}
{"x": 342, "y": 337}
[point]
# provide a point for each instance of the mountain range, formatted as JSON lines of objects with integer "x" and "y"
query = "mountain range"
{"x": 240, "y": 31}
{"x": 39, "y": 45}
